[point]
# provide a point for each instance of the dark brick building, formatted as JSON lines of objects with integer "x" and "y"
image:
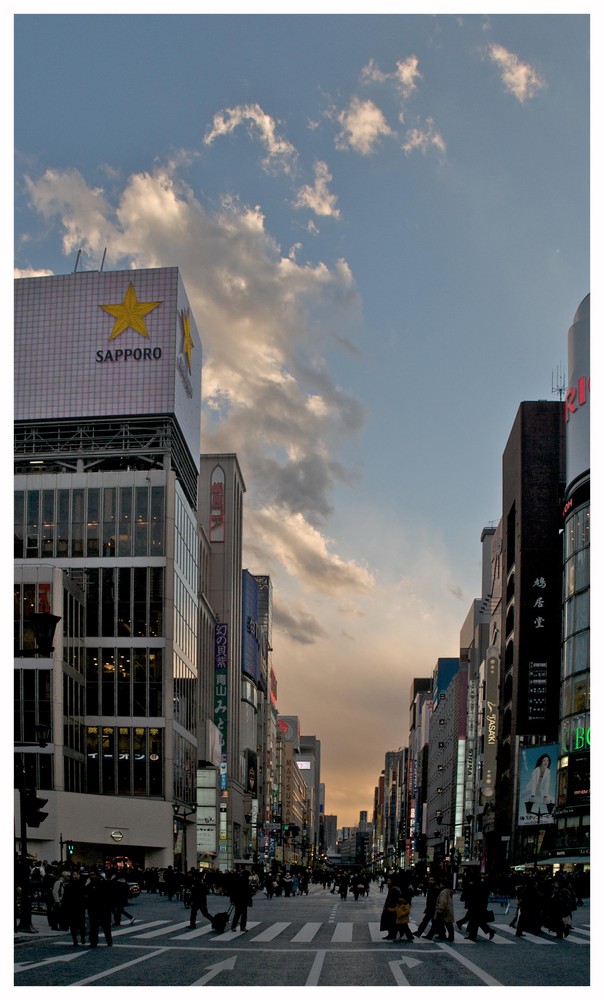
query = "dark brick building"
{"x": 533, "y": 479}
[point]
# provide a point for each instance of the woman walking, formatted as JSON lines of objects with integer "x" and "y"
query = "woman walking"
{"x": 388, "y": 918}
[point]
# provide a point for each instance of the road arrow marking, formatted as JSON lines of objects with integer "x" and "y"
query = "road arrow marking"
{"x": 315, "y": 973}
{"x": 399, "y": 976}
{"x": 214, "y": 970}
{"x": 410, "y": 962}
{"x": 26, "y": 966}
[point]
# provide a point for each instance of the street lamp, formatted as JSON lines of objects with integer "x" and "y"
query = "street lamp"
{"x": 181, "y": 818}
{"x": 548, "y": 811}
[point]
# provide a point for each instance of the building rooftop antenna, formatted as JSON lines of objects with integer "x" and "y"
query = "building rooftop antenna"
{"x": 77, "y": 261}
{"x": 559, "y": 387}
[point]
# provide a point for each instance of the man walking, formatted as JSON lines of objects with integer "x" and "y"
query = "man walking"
{"x": 98, "y": 904}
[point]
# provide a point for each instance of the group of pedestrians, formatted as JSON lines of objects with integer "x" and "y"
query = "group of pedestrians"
{"x": 86, "y": 902}
{"x": 545, "y": 903}
{"x": 439, "y": 911}
{"x": 541, "y": 903}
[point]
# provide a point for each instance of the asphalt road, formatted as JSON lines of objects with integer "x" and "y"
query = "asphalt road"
{"x": 314, "y": 940}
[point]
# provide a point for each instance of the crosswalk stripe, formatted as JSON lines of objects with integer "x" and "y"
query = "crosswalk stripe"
{"x": 375, "y": 933}
{"x": 534, "y": 938}
{"x": 230, "y": 935}
{"x": 273, "y": 931}
{"x": 307, "y": 933}
{"x": 137, "y": 928}
{"x": 342, "y": 933}
{"x": 194, "y": 933}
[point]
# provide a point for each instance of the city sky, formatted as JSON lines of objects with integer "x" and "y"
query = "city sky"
{"x": 382, "y": 223}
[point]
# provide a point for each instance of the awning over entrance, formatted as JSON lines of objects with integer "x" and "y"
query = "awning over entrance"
{"x": 579, "y": 859}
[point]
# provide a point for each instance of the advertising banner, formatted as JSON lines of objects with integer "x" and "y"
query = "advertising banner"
{"x": 221, "y": 660}
{"x": 252, "y": 632}
{"x": 491, "y": 717}
{"x": 537, "y": 785}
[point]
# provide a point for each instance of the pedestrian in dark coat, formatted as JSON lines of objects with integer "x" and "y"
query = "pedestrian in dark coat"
{"x": 477, "y": 903}
{"x": 560, "y": 909}
{"x": 170, "y": 882}
{"x": 241, "y": 898}
{"x": 388, "y": 918}
{"x": 530, "y": 908}
{"x": 98, "y": 904}
{"x": 199, "y": 898}
{"x": 431, "y": 897}
{"x": 119, "y": 897}
{"x": 74, "y": 908}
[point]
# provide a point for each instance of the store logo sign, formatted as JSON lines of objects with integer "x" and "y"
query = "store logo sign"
{"x": 129, "y": 314}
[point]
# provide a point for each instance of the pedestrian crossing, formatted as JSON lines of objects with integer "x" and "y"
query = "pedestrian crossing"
{"x": 340, "y": 932}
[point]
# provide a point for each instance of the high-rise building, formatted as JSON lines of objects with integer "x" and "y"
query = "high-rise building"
{"x": 447, "y": 726}
{"x": 533, "y": 476}
{"x": 573, "y": 798}
{"x": 309, "y": 765}
{"x": 107, "y": 444}
{"x": 220, "y": 513}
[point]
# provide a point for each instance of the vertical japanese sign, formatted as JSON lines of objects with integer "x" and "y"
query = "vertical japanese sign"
{"x": 491, "y": 719}
{"x": 221, "y": 662}
{"x": 217, "y": 506}
{"x": 537, "y": 668}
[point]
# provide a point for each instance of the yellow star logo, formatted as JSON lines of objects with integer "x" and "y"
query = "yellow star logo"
{"x": 187, "y": 340}
{"x": 130, "y": 314}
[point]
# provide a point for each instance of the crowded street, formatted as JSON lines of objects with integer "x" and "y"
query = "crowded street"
{"x": 317, "y": 939}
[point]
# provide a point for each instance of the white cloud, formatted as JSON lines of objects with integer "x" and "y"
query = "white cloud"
{"x": 405, "y": 75}
{"x": 85, "y": 213}
{"x": 30, "y": 272}
{"x": 423, "y": 139}
{"x": 371, "y": 73}
{"x": 305, "y": 554}
{"x": 363, "y": 125}
{"x": 519, "y": 79}
{"x": 318, "y": 197}
{"x": 280, "y": 154}
{"x": 264, "y": 320}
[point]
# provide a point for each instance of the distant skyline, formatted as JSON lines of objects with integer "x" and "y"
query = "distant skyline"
{"x": 382, "y": 222}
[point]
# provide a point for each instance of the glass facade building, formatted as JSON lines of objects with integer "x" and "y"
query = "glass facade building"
{"x": 573, "y": 795}
{"x": 108, "y": 399}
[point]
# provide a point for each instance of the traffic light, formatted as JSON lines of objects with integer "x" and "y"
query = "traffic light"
{"x": 295, "y": 830}
{"x": 69, "y": 847}
{"x": 33, "y": 806}
{"x": 286, "y": 830}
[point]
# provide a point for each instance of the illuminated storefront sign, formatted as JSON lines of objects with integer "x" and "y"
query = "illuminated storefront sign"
{"x": 491, "y": 715}
{"x": 576, "y": 396}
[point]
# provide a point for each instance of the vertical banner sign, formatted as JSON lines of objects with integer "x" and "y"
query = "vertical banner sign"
{"x": 221, "y": 660}
{"x": 537, "y": 669}
{"x": 217, "y": 506}
{"x": 491, "y": 718}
